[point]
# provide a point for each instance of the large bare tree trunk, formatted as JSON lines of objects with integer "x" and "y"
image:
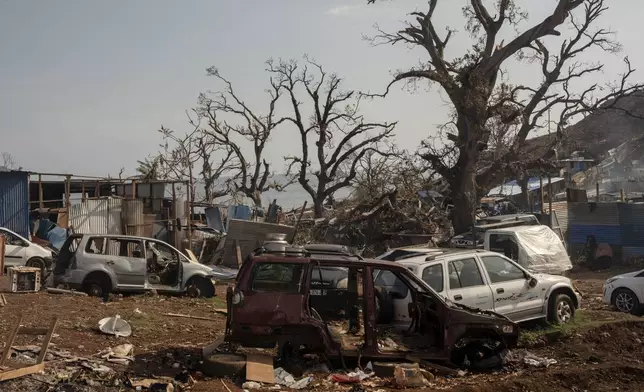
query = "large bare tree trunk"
{"x": 465, "y": 199}
{"x": 318, "y": 207}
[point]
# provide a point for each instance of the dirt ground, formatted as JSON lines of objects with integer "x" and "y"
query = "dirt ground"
{"x": 604, "y": 351}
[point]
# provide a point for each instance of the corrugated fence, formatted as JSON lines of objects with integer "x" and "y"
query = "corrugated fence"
{"x": 14, "y": 202}
{"x": 97, "y": 216}
{"x": 620, "y": 225}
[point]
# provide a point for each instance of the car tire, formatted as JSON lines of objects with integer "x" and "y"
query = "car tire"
{"x": 37, "y": 262}
{"x": 200, "y": 287}
{"x": 561, "y": 309}
{"x": 97, "y": 285}
{"x": 626, "y": 301}
{"x": 223, "y": 365}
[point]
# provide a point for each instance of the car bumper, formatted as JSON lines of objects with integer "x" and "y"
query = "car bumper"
{"x": 607, "y": 294}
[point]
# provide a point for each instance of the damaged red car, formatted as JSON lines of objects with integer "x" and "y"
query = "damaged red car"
{"x": 270, "y": 305}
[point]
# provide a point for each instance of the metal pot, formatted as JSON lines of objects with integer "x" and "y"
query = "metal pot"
{"x": 275, "y": 242}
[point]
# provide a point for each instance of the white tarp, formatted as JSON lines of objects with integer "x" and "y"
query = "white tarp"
{"x": 540, "y": 250}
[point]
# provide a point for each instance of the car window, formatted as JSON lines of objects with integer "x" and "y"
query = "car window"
{"x": 95, "y": 245}
{"x": 390, "y": 281}
{"x": 124, "y": 248}
{"x": 162, "y": 251}
{"x": 501, "y": 270}
{"x": 433, "y": 276}
{"x": 11, "y": 239}
{"x": 280, "y": 277}
{"x": 464, "y": 273}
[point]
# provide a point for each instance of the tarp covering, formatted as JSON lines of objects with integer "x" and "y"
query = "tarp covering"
{"x": 540, "y": 250}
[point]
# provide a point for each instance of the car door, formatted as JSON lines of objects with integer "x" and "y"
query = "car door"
{"x": 124, "y": 257}
{"x": 513, "y": 296}
{"x": 15, "y": 249}
{"x": 467, "y": 285}
{"x": 272, "y": 295}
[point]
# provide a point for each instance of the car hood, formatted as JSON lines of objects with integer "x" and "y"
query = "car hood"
{"x": 626, "y": 275}
{"x": 552, "y": 278}
{"x": 222, "y": 273}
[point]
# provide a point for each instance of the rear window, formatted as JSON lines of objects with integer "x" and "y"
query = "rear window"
{"x": 277, "y": 277}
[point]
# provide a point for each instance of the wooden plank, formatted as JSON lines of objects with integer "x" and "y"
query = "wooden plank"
{"x": 260, "y": 368}
{"x": 9, "y": 342}
{"x": 32, "y": 331}
{"x": 20, "y": 372}
{"x": 46, "y": 341}
{"x": 3, "y": 300}
{"x": 192, "y": 256}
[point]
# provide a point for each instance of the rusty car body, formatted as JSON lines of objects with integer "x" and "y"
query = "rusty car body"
{"x": 271, "y": 305}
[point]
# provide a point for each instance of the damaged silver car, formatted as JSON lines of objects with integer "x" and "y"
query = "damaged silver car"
{"x": 99, "y": 264}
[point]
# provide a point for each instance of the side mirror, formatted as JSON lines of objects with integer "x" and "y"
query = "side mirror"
{"x": 532, "y": 282}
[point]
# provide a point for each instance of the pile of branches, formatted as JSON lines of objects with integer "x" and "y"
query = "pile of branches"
{"x": 375, "y": 225}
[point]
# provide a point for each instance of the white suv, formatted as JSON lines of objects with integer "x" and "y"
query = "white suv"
{"x": 486, "y": 280}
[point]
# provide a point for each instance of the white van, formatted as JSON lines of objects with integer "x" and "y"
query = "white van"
{"x": 536, "y": 248}
{"x": 20, "y": 251}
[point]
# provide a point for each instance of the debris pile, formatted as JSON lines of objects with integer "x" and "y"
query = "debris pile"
{"x": 391, "y": 220}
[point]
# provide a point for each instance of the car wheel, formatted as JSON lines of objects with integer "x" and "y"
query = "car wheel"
{"x": 223, "y": 365}
{"x": 200, "y": 287}
{"x": 562, "y": 310}
{"x": 626, "y": 301}
{"x": 37, "y": 262}
{"x": 97, "y": 285}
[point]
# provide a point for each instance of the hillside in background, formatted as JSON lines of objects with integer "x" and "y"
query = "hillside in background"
{"x": 598, "y": 132}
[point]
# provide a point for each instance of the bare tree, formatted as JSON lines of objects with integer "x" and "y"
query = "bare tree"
{"x": 474, "y": 85}
{"x": 9, "y": 163}
{"x": 341, "y": 135}
{"x": 191, "y": 157}
{"x": 252, "y": 176}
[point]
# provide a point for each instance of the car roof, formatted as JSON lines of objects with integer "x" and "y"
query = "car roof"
{"x": 339, "y": 260}
{"x": 435, "y": 258}
{"x": 129, "y": 237}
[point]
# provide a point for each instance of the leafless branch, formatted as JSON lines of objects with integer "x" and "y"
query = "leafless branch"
{"x": 342, "y": 136}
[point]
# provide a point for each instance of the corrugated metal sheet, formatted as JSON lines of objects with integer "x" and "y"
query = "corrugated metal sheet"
{"x": 249, "y": 235}
{"x": 14, "y": 202}
{"x": 561, "y": 210}
{"x": 99, "y": 216}
{"x": 604, "y": 234}
{"x": 632, "y": 235}
{"x": 631, "y": 214}
{"x": 629, "y": 252}
{"x": 593, "y": 214}
{"x": 133, "y": 217}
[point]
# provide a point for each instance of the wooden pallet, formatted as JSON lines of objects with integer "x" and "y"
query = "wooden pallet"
{"x": 10, "y": 371}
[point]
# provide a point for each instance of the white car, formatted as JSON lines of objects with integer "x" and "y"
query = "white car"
{"x": 485, "y": 280}
{"x": 625, "y": 292}
{"x": 20, "y": 251}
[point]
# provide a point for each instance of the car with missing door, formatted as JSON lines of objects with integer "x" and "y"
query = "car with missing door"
{"x": 19, "y": 251}
{"x": 271, "y": 305}
{"x": 487, "y": 280}
{"x": 99, "y": 264}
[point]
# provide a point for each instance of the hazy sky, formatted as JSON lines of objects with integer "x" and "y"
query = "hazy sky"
{"x": 84, "y": 84}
